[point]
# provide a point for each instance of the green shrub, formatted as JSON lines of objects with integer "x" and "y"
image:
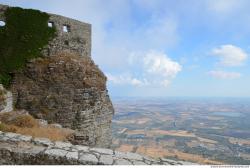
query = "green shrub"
{"x": 22, "y": 38}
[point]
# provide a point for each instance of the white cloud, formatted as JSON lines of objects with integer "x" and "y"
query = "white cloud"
{"x": 155, "y": 69}
{"x": 230, "y": 55}
{"x": 223, "y": 6}
{"x": 125, "y": 79}
{"x": 165, "y": 83}
{"x": 224, "y": 74}
{"x": 160, "y": 64}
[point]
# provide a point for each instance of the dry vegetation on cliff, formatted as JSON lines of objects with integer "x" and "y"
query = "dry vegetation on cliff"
{"x": 72, "y": 64}
{"x": 23, "y": 123}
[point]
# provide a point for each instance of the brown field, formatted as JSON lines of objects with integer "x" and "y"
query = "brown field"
{"x": 205, "y": 140}
{"x": 152, "y": 133}
{"x": 153, "y": 151}
{"x": 171, "y": 133}
{"x": 137, "y": 121}
{"x": 196, "y": 143}
{"x": 124, "y": 121}
{"x": 125, "y": 148}
{"x": 161, "y": 117}
{"x": 239, "y": 141}
{"x": 168, "y": 143}
{"x": 246, "y": 156}
{"x": 192, "y": 144}
{"x": 133, "y": 132}
{"x": 158, "y": 152}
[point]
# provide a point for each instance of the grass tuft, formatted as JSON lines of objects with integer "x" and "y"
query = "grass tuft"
{"x": 27, "y": 125}
{"x": 25, "y": 121}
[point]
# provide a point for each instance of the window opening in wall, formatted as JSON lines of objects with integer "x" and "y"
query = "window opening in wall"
{"x": 66, "y": 28}
{"x": 2, "y": 23}
{"x": 66, "y": 42}
{"x": 50, "y": 24}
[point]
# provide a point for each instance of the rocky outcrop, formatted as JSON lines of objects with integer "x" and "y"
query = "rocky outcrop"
{"x": 69, "y": 90}
{"x": 6, "y": 100}
{"x": 2, "y": 98}
{"x": 25, "y": 150}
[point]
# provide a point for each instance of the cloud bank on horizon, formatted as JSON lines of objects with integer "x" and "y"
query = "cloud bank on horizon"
{"x": 165, "y": 47}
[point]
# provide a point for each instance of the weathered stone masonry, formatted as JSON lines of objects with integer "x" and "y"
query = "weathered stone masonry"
{"x": 72, "y": 35}
{"x": 25, "y": 150}
{"x": 70, "y": 91}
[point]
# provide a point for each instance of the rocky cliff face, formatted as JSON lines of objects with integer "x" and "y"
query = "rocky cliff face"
{"x": 5, "y": 100}
{"x": 2, "y": 98}
{"x": 69, "y": 90}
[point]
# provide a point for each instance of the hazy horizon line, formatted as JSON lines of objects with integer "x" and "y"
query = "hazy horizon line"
{"x": 192, "y": 97}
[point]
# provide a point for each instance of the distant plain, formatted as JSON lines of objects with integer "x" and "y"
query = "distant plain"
{"x": 203, "y": 130}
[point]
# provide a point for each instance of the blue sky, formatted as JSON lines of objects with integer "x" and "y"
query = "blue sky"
{"x": 164, "y": 48}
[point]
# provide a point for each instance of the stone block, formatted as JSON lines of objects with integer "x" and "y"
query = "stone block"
{"x": 122, "y": 162}
{"x": 56, "y": 152}
{"x": 87, "y": 157}
{"x": 63, "y": 145}
{"x": 106, "y": 159}
{"x": 102, "y": 151}
{"x": 81, "y": 148}
{"x": 139, "y": 163}
{"x": 72, "y": 155}
{"x": 11, "y": 135}
{"x": 42, "y": 141}
{"x": 24, "y": 138}
{"x": 29, "y": 150}
{"x": 4, "y": 138}
{"x": 56, "y": 125}
{"x": 128, "y": 155}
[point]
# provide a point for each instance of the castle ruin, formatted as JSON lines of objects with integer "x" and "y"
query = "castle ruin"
{"x": 71, "y": 35}
{"x": 62, "y": 87}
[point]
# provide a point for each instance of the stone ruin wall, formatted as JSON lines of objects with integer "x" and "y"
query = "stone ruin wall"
{"x": 16, "y": 149}
{"x": 71, "y": 36}
{"x": 3, "y": 8}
